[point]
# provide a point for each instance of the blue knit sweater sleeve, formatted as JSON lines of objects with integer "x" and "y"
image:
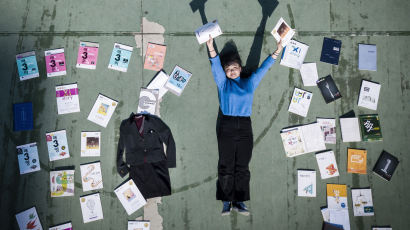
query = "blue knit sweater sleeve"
{"x": 257, "y": 76}
{"x": 217, "y": 71}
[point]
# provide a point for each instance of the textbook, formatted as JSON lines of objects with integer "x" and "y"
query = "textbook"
{"x": 148, "y": 101}
{"x": 90, "y": 144}
{"x": 294, "y": 54}
{"x": 102, "y": 110}
{"x": 62, "y": 183}
{"x": 91, "y": 207}
{"x": 67, "y": 99}
{"x": 331, "y": 51}
{"x": 66, "y": 226}
{"x": 328, "y": 88}
{"x": 27, "y": 156}
{"x": 91, "y": 176}
{"x": 282, "y": 31}
{"x": 158, "y": 82}
{"x": 302, "y": 139}
{"x": 307, "y": 183}
{"x": 23, "y": 116}
{"x": 328, "y": 127}
{"x": 386, "y": 165}
{"x": 362, "y": 202}
{"x": 367, "y": 57}
{"x": 57, "y": 145}
{"x": 300, "y": 102}
{"x": 27, "y": 65}
{"x": 130, "y": 197}
{"x": 120, "y": 57}
{"x": 155, "y": 56}
{"x": 87, "y": 55}
{"x": 370, "y": 127}
{"x": 327, "y": 165}
{"x": 55, "y": 62}
{"x": 210, "y": 28}
{"x": 139, "y": 225}
{"x": 308, "y": 71}
{"x": 178, "y": 80}
{"x": 356, "y": 161}
{"x": 29, "y": 219}
{"x": 369, "y": 95}
{"x": 349, "y": 125}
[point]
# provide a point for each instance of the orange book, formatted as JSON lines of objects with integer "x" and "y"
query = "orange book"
{"x": 154, "y": 58}
{"x": 356, "y": 161}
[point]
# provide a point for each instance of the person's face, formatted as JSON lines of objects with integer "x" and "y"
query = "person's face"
{"x": 233, "y": 70}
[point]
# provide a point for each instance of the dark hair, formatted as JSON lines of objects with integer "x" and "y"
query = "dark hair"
{"x": 229, "y": 54}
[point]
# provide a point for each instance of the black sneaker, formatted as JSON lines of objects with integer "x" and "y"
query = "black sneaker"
{"x": 226, "y": 209}
{"x": 240, "y": 207}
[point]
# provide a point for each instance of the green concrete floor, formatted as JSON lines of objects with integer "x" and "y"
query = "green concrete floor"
{"x": 30, "y": 25}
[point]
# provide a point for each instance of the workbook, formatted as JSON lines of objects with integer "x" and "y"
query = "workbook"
{"x": 66, "y": 226}
{"x": 362, "y": 202}
{"x": 328, "y": 88}
{"x": 91, "y": 207}
{"x": 210, "y": 29}
{"x": 300, "y": 102}
{"x": 102, "y": 110}
{"x": 120, "y": 57}
{"x": 308, "y": 71}
{"x": 23, "y": 116}
{"x": 90, "y": 144}
{"x": 148, "y": 101}
{"x": 370, "y": 127}
{"x": 386, "y": 165}
{"x": 158, "y": 82}
{"x": 282, "y": 32}
{"x": 367, "y": 57}
{"x": 27, "y": 156}
{"x": 62, "y": 183}
{"x": 369, "y": 95}
{"x": 294, "y": 54}
{"x": 55, "y": 62}
{"x": 327, "y": 165}
{"x": 331, "y": 51}
{"x": 67, "y": 99}
{"x": 29, "y": 219}
{"x": 356, "y": 161}
{"x": 139, "y": 225}
{"x": 178, "y": 80}
{"x": 57, "y": 145}
{"x": 307, "y": 183}
{"x": 328, "y": 127}
{"x": 27, "y": 65}
{"x": 87, "y": 55}
{"x": 130, "y": 197}
{"x": 91, "y": 176}
{"x": 155, "y": 56}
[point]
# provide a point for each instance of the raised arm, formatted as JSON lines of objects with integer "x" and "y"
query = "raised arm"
{"x": 216, "y": 67}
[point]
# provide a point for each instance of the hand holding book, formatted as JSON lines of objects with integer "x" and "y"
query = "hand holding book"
{"x": 211, "y": 49}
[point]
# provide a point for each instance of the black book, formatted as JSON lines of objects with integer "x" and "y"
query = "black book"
{"x": 386, "y": 165}
{"x": 331, "y": 51}
{"x": 328, "y": 88}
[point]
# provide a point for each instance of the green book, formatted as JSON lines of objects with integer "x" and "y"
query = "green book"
{"x": 370, "y": 127}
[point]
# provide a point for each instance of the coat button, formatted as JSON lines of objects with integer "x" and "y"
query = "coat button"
{"x": 145, "y": 150}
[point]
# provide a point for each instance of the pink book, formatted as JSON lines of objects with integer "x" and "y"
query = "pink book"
{"x": 87, "y": 55}
{"x": 154, "y": 58}
{"x": 55, "y": 62}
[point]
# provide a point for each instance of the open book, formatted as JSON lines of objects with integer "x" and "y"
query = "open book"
{"x": 282, "y": 31}
{"x": 211, "y": 28}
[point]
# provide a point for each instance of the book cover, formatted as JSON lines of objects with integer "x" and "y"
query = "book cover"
{"x": 158, "y": 82}
{"x": 120, "y": 57}
{"x": 300, "y": 102}
{"x": 357, "y": 161}
{"x": 307, "y": 183}
{"x": 102, "y": 110}
{"x": 367, "y": 57}
{"x": 155, "y": 56}
{"x": 67, "y": 99}
{"x": 327, "y": 165}
{"x": 308, "y": 71}
{"x": 369, "y": 95}
{"x": 148, "y": 101}
{"x": 90, "y": 144}
{"x": 331, "y": 51}
{"x": 91, "y": 176}
{"x": 282, "y": 31}
{"x": 91, "y": 207}
{"x": 210, "y": 28}
{"x": 386, "y": 165}
{"x": 340, "y": 217}
{"x": 350, "y": 129}
{"x": 27, "y": 156}
{"x": 57, "y": 145}
{"x": 328, "y": 88}
{"x": 370, "y": 127}
{"x": 27, "y": 65}
{"x": 23, "y": 116}
{"x": 336, "y": 196}
{"x": 55, "y": 62}
{"x": 29, "y": 219}
{"x": 382, "y": 228}
{"x": 328, "y": 127}
{"x": 66, "y": 226}
{"x": 87, "y": 55}
{"x": 294, "y": 54}
{"x": 139, "y": 225}
{"x": 362, "y": 202}
{"x": 292, "y": 141}
{"x": 325, "y": 213}
{"x": 178, "y": 80}
{"x": 62, "y": 183}
{"x": 330, "y": 226}
{"x": 130, "y": 197}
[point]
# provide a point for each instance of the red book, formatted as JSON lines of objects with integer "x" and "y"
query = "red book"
{"x": 154, "y": 58}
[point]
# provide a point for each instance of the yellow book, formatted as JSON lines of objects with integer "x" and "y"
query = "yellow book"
{"x": 336, "y": 196}
{"x": 356, "y": 161}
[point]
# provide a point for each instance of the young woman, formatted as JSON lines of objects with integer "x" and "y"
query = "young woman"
{"x": 234, "y": 128}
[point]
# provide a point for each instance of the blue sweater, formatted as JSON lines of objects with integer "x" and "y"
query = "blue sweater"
{"x": 236, "y": 95}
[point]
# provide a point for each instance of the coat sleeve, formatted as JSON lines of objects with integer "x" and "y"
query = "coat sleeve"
{"x": 166, "y": 137}
{"x": 122, "y": 167}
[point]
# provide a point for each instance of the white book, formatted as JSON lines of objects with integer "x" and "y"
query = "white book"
{"x": 62, "y": 183}
{"x": 381, "y": 228}
{"x": 350, "y": 129}
{"x": 302, "y": 139}
{"x": 67, "y": 226}
{"x": 130, "y": 197}
{"x": 307, "y": 183}
{"x": 67, "y": 99}
{"x": 300, "y": 102}
{"x": 367, "y": 57}
{"x": 294, "y": 54}
{"x": 325, "y": 214}
{"x": 282, "y": 31}
{"x": 328, "y": 127}
{"x": 102, "y": 110}
{"x": 362, "y": 202}
{"x": 91, "y": 208}
{"x": 90, "y": 144}
{"x": 91, "y": 176}
{"x": 148, "y": 101}
{"x": 138, "y": 225}
{"x": 210, "y": 28}
{"x": 57, "y": 145}
{"x": 178, "y": 80}
{"x": 369, "y": 95}
{"x": 308, "y": 71}
{"x": 336, "y": 197}
{"x": 120, "y": 57}
{"x": 27, "y": 156}
{"x": 340, "y": 217}
{"x": 327, "y": 165}
{"x": 159, "y": 83}
{"x": 29, "y": 219}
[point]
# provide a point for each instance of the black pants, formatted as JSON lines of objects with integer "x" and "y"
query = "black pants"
{"x": 235, "y": 143}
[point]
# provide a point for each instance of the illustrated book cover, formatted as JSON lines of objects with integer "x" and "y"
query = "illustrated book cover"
{"x": 386, "y": 165}
{"x": 328, "y": 88}
{"x": 67, "y": 99}
{"x": 282, "y": 31}
{"x": 23, "y": 116}
{"x": 29, "y": 219}
{"x": 327, "y": 165}
{"x": 155, "y": 56}
{"x": 300, "y": 102}
{"x": 102, "y": 110}
{"x": 331, "y": 51}
{"x": 55, "y": 62}
{"x": 130, "y": 197}
{"x": 27, "y": 65}
{"x": 27, "y": 156}
{"x": 148, "y": 101}
{"x": 139, "y": 225}
{"x": 336, "y": 196}
{"x": 120, "y": 57}
{"x": 294, "y": 54}
{"x": 91, "y": 208}
{"x": 57, "y": 145}
{"x": 328, "y": 127}
{"x": 62, "y": 183}
{"x": 362, "y": 202}
{"x": 370, "y": 127}
{"x": 66, "y": 226}
{"x": 178, "y": 80}
{"x": 90, "y": 144}
{"x": 369, "y": 95}
{"x": 356, "y": 161}
{"x": 91, "y": 176}
{"x": 307, "y": 183}
{"x": 87, "y": 55}
{"x": 210, "y": 28}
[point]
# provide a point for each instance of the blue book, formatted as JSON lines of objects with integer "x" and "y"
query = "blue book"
{"x": 331, "y": 51}
{"x": 23, "y": 116}
{"x": 367, "y": 57}
{"x": 120, "y": 57}
{"x": 27, "y": 65}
